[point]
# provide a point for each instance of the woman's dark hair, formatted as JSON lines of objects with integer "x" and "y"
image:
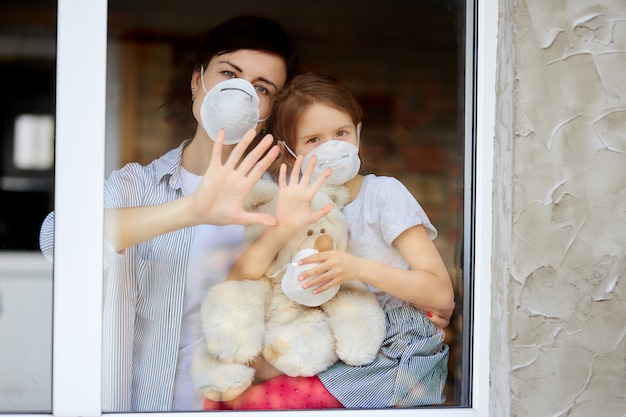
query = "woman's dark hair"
{"x": 241, "y": 32}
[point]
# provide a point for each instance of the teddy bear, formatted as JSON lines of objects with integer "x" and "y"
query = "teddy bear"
{"x": 274, "y": 322}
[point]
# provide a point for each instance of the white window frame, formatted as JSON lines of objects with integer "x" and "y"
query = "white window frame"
{"x": 80, "y": 139}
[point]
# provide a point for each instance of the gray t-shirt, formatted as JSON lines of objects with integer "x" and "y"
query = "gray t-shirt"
{"x": 383, "y": 210}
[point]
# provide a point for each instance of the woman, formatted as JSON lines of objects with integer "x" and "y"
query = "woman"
{"x": 172, "y": 226}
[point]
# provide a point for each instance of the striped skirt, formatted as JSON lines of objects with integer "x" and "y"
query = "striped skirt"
{"x": 410, "y": 369}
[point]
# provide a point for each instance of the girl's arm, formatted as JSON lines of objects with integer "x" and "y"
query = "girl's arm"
{"x": 429, "y": 287}
{"x": 426, "y": 285}
{"x": 293, "y": 211}
{"x": 218, "y": 199}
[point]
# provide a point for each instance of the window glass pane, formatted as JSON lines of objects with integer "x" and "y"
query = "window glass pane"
{"x": 26, "y": 328}
{"x": 404, "y": 61}
{"x": 27, "y": 73}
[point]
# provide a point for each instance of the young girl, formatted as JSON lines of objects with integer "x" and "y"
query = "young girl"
{"x": 172, "y": 227}
{"x": 390, "y": 250}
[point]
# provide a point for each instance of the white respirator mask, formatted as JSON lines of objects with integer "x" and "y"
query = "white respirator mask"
{"x": 232, "y": 105}
{"x": 292, "y": 288}
{"x": 341, "y": 156}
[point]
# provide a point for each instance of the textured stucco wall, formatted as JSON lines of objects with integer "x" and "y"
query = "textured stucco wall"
{"x": 567, "y": 311}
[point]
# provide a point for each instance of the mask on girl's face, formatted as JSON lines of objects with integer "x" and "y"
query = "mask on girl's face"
{"x": 232, "y": 105}
{"x": 341, "y": 156}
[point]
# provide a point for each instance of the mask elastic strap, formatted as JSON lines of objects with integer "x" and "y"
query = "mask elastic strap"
{"x": 202, "y": 79}
{"x": 289, "y": 149}
{"x": 275, "y": 274}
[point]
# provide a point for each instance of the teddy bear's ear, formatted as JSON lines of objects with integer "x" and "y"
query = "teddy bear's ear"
{"x": 337, "y": 193}
{"x": 263, "y": 192}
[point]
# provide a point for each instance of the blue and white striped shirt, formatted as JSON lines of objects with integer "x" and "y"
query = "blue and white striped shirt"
{"x": 143, "y": 292}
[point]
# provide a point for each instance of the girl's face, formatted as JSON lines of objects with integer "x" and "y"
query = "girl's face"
{"x": 320, "y": 123}
{"x": 265, "y": 71}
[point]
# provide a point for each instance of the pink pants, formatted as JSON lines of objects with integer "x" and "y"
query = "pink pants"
{"x": 281, "y": 393}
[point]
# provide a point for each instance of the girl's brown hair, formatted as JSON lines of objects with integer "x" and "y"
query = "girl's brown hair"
{"x": 303, "y": 91}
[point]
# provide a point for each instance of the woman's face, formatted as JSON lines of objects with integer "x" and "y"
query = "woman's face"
{"x": 265, "y": 71}
{"x": 320, "y": 123}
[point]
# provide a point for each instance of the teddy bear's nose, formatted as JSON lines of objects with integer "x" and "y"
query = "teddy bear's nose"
{"x": 324, "y": 243}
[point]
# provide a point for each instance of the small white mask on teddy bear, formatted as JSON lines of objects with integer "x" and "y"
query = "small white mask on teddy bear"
{"x": 293, "y": 288}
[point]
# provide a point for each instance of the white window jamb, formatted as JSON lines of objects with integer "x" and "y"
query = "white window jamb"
{"x": 79, "y": 167}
